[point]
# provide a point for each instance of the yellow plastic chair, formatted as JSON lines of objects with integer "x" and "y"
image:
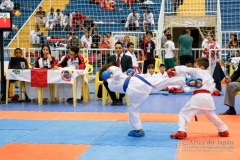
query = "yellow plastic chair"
{"x": 97, "y": 84}
{"x": 89, "y": 70}
{"x": 105, "y": 94}
{"x": 158, "y": 61}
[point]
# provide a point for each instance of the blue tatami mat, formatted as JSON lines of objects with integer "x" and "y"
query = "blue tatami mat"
{"x": 9, "y": 136}
{"x": 129, "y": 153}
{"x": 22, "y": 124}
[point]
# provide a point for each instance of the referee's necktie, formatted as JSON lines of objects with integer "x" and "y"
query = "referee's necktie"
{"x": 118, "y": 62}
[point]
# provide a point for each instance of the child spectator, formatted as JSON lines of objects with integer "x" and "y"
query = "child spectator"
{"x": 18, "y": 54}
{"x": 201, "y": 100}
{"x": 148, "y": 51}
{"x": 170, "y": 52}
{"x": 162, "y": 73}
{"x": 150, "y": 71}
{"x": 45, "y": 60}
{"x": 211, "y": 51}
{"x": 130, "y": 52}
{"x": 40, "y": 16}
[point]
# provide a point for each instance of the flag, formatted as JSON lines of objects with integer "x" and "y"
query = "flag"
{"x": 39, "y": 78}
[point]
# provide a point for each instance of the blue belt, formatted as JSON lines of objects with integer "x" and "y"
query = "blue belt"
{"x": 126, "y": 82}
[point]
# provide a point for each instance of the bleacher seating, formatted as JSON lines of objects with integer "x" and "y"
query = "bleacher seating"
{"x": 26, "y": 9}
{"x": 107, "y": 17}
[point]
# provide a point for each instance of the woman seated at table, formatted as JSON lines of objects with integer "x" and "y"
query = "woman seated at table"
{"x": 73, "y": 58}
{"x": 45, "y": 60}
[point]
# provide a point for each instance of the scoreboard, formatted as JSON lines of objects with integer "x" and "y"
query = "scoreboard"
{"x": 5, "y": 21}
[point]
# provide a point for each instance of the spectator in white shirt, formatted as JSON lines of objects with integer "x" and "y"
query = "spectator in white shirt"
{"x": 35, "y": 37}
{"x": 133, "y": 18}
{"x": 50, "y": 23}
{"x": 67, "y": 21}
{"x": 148, "y": 18}
{"x": 40, "y": 16}
{"x": 170, "y": 53}
{"x": 86, "y": 40}
{"x": 162, "y": 73}
{"x": 6, "y": 5}
{"x": 59, "y": 18}
{"x": 130, "y": 52}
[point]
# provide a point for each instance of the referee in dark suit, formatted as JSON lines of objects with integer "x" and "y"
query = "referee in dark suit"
{"x": 124, "y": 62}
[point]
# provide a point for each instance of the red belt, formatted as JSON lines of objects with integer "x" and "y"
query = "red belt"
{"x": 200, "y": 91}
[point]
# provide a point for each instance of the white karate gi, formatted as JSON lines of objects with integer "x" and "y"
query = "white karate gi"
{"x": 138, "y": 91}
{"x": 201, "y": 101}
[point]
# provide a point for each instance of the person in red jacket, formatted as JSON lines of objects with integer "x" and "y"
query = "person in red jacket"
{"x": 108, "y": 5}
{"x": 77, "y": 19}
{"x": 72, "y": 58}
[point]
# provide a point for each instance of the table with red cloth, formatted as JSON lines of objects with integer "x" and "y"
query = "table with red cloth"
{"x": 42, "y": 78}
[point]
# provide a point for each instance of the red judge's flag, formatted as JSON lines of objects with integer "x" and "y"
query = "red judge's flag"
{"x": 39, "y": 78}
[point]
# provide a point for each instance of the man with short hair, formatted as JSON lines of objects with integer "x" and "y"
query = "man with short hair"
{"x": 122, "y": 61}
{"x": 185, "y": 45}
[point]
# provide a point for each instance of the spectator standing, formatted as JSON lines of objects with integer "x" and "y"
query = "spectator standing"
{"x": 170, "y": 53}
{"x": 95, "y": 39}
{"x": 88, "y": 25}
{"x": 148, "y": 18}
{"x": 40, "y": 16}
{"x": 211, "y": 51}
{"x": 130, "y": 52}
{"x": 164, "y": 37}
{"x": 148, "y": 51}
{"x": 185, "y": 42}
{"x": 133, "y": 18}
{"x": 130, "y": 2}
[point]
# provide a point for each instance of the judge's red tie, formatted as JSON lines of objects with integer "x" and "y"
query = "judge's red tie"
{"x": 118, "y": 62}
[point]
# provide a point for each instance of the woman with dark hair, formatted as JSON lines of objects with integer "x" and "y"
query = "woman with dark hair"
{"x": 45, "y": 60}
{"x": 233, "y": 43}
